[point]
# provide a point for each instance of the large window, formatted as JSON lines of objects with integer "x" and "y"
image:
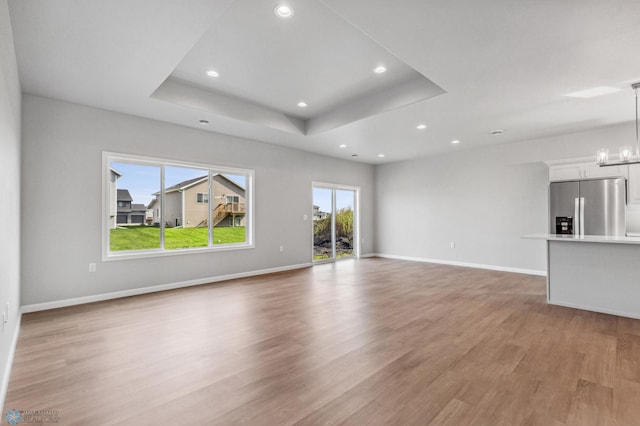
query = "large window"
{"x": 156, "y": 207}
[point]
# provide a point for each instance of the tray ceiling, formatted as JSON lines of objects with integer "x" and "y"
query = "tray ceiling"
{"x": 267, "y": 65}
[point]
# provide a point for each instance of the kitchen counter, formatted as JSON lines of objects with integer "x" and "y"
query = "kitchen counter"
{"x": 585, "y": 238}
{"x": 597, "y": 273}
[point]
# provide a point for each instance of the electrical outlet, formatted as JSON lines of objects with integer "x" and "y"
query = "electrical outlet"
{"x": 281, "y": 249}
{"x": 453, "y": 245}
{"x": 5, "y": 317}
{"x": 305, "y": 217}
{"x": 92, "y": 267}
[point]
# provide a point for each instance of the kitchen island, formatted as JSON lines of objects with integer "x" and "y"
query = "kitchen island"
{"x": 595, "y": 273}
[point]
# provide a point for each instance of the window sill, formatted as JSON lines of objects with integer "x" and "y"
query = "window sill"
{"x": 143, "y": 254}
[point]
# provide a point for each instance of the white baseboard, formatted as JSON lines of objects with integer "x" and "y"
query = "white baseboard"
{"x": 152, "y": 289}
{"x": 465, "y": 264}
{"x": 592, "y": 309}
{"x": 4, "y": 386}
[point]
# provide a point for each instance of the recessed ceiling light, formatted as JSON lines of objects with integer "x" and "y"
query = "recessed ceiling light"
{"x": 380, "y": 155}
{"x": 213, "y": 73}
{"x": 283, "y": 10}
{"x": 593, "y": 92}
{"x": 204, "y": 122}
{"x": 455, "y": 142}
{"x": 379, "y": 69}
{"x": 497, "y": 132}
{"x": 421, "y": 126}
{"x": 302, "y": 104}
{"x": 343, "y": 146}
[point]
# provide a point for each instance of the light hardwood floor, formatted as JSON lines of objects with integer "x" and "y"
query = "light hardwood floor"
{"x": 373, "y": 341}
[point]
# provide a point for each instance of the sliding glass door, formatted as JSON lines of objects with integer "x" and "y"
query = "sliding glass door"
{"x": 334, "y": 222}
{"x": 344, "y": 241}
{"x": 322, "y": 224}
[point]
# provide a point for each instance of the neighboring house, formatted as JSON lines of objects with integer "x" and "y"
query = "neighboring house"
{"x": 148, "y": 218}
{"x": 154, "y": 208}
{"x": 129, "y": 213}
{"x": 113, "y": 202}
{"x": 187, "y": 203}
{"x": 317, "y": 214}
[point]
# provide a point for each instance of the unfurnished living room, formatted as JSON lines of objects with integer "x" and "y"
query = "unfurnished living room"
{"x": 320, "y": 212}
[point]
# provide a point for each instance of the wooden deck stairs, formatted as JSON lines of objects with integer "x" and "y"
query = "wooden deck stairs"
{"x": 222, "y": 211}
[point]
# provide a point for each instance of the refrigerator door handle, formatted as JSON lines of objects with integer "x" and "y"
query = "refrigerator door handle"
{"x": 582, "y": 216}
{"x": 576, "y": 218}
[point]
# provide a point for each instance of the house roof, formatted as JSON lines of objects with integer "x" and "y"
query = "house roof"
{"x": 185, "y": 184}
{"x": 191, "y": 182}
{"x": 138, "y": 207}
{"x": 123, "y": 195}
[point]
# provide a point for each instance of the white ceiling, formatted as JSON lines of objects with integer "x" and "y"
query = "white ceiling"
{"x": 500, "y": 64}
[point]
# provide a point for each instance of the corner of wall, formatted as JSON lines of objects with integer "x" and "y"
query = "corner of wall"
{"x": 10, "y": 185}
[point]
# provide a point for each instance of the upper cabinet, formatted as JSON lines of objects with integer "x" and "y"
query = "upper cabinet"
{"x": 592, "y": 170}
{"x": 565, "y": 172}
{"x": 582, "y": 169}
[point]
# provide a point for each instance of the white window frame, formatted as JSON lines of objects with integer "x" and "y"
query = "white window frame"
{"x": 205, "y": 198}
{"x": 108, "y": 255}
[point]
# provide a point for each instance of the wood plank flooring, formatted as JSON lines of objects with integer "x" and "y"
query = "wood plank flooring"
{"x": 359, "y": 342}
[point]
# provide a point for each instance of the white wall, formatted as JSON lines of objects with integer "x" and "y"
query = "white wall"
{"x": 62, "y": 146}
{"x": 10, "y": 100}
{"x": 482, "y": 199}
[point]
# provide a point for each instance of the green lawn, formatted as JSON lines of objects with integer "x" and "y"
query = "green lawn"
{"x": 328, "y": 256}
{"x": 148, "y": 237}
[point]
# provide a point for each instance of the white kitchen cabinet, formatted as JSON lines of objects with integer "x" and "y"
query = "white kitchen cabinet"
{"x": 633, "y": 184}
{"x": 592, "y": 170}
{"x": 572, "y": 170}
{"x": 565, "y": 172}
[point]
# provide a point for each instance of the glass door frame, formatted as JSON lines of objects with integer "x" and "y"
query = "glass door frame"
{"x": 356, "y": 220}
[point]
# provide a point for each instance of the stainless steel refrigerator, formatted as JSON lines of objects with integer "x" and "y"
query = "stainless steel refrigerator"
{"x": 588, "y": 207}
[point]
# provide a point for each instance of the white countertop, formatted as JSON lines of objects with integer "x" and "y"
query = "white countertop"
{"x": 584, "y": 238}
